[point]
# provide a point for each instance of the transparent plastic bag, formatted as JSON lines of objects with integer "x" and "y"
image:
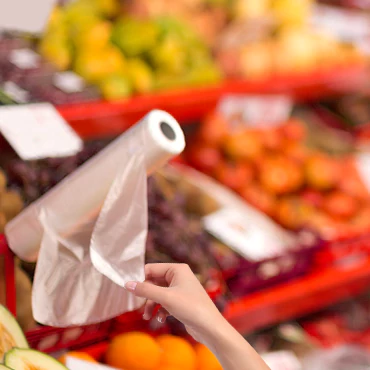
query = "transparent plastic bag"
{"x": 93, "y": 231}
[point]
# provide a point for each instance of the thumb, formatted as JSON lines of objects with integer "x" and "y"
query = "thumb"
{"x": 148, "y": 290}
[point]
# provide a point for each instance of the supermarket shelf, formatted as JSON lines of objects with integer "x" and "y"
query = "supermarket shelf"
{"x": 102, "y": 118}
{"x": 305, "y": 295}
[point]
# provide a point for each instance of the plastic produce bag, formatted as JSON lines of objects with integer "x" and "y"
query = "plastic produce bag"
{"x": 91, "y": 228}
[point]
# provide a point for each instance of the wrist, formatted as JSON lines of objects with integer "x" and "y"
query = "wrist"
{"x": 218, "y": 334}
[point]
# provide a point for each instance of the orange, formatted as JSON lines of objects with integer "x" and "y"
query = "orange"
{"x": 80, "y": 355}
{"x": 206, "y": 360}
{"x": 133, "y": 351}
{"x": 177, "y": 353}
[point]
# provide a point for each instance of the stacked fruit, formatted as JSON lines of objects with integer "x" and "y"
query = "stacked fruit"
{"x": 129, "y": 351}
{"x": 140, "y": 351}
{"x": 26, "y": 77}
{"x": 274, "y": 37}
{"x": 123, "y": 54}
{"x": 274, "y": 170}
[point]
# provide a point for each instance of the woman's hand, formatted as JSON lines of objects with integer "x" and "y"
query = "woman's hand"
{"x": 181, "y": 295}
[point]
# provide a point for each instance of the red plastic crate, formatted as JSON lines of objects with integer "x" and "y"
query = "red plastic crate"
{"x": 97, "y": 119}
{"x": 9, "y": 275}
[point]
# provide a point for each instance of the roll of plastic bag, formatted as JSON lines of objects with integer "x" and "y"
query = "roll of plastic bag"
{"x": 92, "y": 228}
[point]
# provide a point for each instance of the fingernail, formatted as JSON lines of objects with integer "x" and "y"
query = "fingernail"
{"x": 146, "y": 316}
{"x": 161, "y": 319}
{"x": 131, "y": 285}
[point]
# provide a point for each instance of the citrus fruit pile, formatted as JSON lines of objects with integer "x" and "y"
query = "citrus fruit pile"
{"x": 140, "y": 351}
{"x": 273, "y": 169}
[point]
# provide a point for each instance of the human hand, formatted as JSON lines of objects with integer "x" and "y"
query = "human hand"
{"x": 178, "y": 291}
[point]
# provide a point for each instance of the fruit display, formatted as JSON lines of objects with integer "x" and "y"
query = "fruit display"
{"x": 274, "y": 37}
{"x": 276, "y": 170}
{"x": 252, "y": 40}
{"x": 95, "y": 40}
{"x": 88, "y": 50}
{"x": 130, "y": 351}
{"x": 26, "y": 77}
{"x": 163, "y": 352}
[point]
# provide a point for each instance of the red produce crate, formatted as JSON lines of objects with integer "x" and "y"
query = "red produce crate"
{"x": 347, "y": 249}
{"x": 7, "y": 287}
{"x": 247, "y": 276}
{"x": 102, "y": 118}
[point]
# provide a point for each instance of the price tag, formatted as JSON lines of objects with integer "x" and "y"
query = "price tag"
{"x": 282, "y": 360}
{"x": 16, "y": 93}
{"x": 346, "y": 24}
{"x": 245, "y": 233}
{"x": 69, "y": 82}
{"x": 38, "y": 131}
{"x": 259, "y": 111}
{"x": 24, "y": 58}
{"x": 25, "y": 15}
{"x": 77, "y": 364}
{"x": 362, "y": 162}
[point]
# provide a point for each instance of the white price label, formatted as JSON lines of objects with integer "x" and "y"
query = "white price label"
{"x": 282, "y": 360}
{"x": 38, "y": 131}
{"x": 268, "y": 110}
{"x": 69, "y": 82}
{"x": 243, "y": 233}
{"x": 348, "y": 25}
{"x": 24, "y": 58}
{"x": 25, "y": 15}
{"x": 77, "y": 364}
{"x": 362, "y": 162}
{"x": 16, "y": 93}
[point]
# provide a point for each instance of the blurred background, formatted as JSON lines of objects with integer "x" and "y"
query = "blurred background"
{"x": 274, "y": 99}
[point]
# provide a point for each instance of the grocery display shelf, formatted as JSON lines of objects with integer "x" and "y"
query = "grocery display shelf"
{"x": 102, "y": 118}
{"x": 308, "y": 294}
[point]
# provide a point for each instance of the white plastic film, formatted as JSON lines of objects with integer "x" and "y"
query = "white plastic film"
{"x": 93, "y": 235}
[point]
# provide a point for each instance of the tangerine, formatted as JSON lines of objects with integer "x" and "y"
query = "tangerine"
{"x": 177, "y": 353}
{"x": 206, "y": 360}
{"x": 134, "y": 351}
